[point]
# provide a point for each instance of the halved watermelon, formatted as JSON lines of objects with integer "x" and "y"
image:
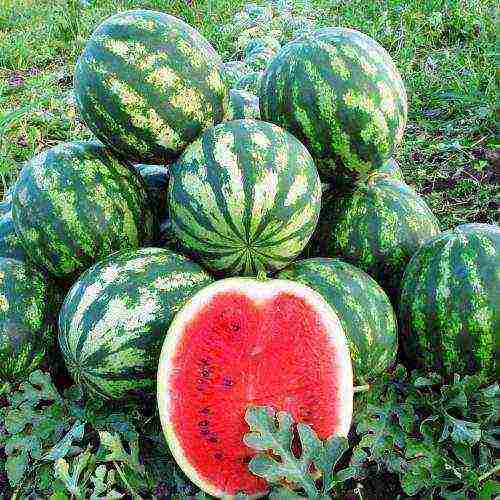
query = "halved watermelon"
{"x": 242, "y": 342}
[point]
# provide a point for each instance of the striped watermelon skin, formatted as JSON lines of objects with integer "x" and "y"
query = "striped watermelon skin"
{"x": 147, "y": 84}
{"x": 115, "y": 317}
{"x": 27, "y": 320}
{"x": 242, "y": 105}
{"x": 449, "y": 306}
{"x": 339, "y": 92}
{"x": 10, "y": 244}
{"x": 363, "y": 308}
{"x": 245, "y": 198}
{"x": 75, "y": 204}
{"x": 380, "y": 227}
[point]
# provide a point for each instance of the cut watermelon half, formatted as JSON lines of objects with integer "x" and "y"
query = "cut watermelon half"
{"x": 242, "y": 342}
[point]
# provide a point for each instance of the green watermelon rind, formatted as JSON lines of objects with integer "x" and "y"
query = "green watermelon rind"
{"x": 244, "y": 198}
{"x": 147, "y": 84}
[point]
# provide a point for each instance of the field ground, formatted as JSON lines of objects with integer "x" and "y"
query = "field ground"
{"x": 444, "y": 49}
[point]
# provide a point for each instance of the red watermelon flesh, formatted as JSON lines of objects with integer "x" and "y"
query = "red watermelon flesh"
{"x": 244, "y": 342}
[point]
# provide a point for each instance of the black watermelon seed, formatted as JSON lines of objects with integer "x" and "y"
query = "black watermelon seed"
{"x": 213, "y": 439}
{"x": 203, "y": 423}
{"x": 218, "y": 455}
{"x": 205, "y": 411}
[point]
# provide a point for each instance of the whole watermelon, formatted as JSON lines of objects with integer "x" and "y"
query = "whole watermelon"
{"x": 450, "y": 301}
{"x": 75, "y": 204}
{"x": 380, "y": 227}
{"x": 339, "y": 92}
{"x": 27, "y": 319}
{"x": 147, "y": 84}
{"x": 242, "y": 104}
{"x": 244, "y": 197}
{"x": 363, "y": 308}
{"x": 10, "y": 244}
{"x": 115, "y": 317}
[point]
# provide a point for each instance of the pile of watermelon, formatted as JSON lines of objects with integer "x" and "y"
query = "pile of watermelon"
{"x": 237, "y": 234}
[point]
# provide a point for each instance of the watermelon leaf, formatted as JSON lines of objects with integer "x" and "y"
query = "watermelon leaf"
{"x": 273, "y": 433}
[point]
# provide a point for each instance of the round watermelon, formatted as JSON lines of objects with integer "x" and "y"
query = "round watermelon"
{"x": 241, "y": 342}
{"x": 339, "y": 92}
{"x": 10, "y": 244}
{"x": 147, "y": 84}
{"x": 363, "y": 308}
{"x": 244, "y": 198}
{"x": 242, "y": 105}
{"x": 450, "y": 302}
{"x": 379, "y": 227}
{"x": 26, "y": 318}
{"x": 75, "y": 204}
{"x": 115, "y": 317}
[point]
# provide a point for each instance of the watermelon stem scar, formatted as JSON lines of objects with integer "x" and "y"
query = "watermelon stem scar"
{"x": 243, "y": 342}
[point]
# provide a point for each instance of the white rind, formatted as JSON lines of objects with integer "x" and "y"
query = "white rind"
{"x": 258, "y": 291}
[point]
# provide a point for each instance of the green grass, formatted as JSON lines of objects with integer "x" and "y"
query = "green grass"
{"x": 443, "y": 48}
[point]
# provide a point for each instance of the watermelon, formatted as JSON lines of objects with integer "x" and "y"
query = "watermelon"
{"x": 75, "y": 204}
{"x": 379, "y": 227}
{"x": 241, "y": 342}
{"x": 250, "y": 82}
{"x": 10, "y": 244}
{"x": 242, "y": 104}
{"x": 339, "y": 92}
{"x": 364, "y": 310}
{"x": 147, "y": 84}
{"x": 244, "y": 198}
{"x": 450, "y": 298}
{"x": 27, "y": 320}
{"x": 114, "y": 319}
